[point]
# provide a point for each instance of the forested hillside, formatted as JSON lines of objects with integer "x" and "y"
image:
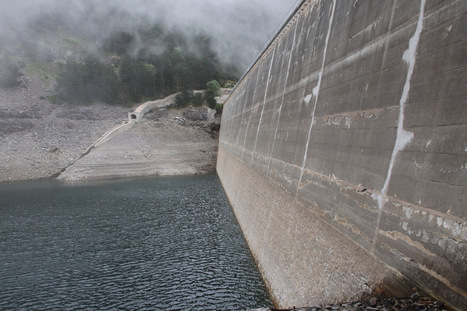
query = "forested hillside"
{"x": 166, "y": 62}
{"x": 123, "y": 52}
{"x": 123, "y": 68}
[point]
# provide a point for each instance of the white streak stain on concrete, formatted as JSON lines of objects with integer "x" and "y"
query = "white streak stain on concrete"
{"x": 251, "y": 112}
{"x": 264, "y": 100}
{"x": 283, "y": 95}
{"x": 315, "y": 93}
{"x": 403, "y": 137}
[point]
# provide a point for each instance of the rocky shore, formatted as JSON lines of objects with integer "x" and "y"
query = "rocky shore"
{"x": 413, "y": 303}
{"x": 39, "y": 139}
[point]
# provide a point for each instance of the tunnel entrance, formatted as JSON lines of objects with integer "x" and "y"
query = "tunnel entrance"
{"x": 133, "y": 116}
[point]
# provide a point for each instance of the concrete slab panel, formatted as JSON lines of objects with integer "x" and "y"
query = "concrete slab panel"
{"x": 355, "y": 118}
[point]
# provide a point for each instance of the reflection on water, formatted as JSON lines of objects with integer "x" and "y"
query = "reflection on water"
{"x": 167, "y": 243}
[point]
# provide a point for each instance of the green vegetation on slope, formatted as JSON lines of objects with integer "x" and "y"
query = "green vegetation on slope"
{"x": 93, "y": 80}
{"x": 127, "y": 65}
{"x": 188, "y": 97}
{"x": 126, "y": 72}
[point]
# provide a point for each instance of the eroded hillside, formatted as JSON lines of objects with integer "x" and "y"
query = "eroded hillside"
{"x": 39, "y": 139}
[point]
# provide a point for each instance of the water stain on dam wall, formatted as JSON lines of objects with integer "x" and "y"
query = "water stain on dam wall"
{"x": 343, "y": 151}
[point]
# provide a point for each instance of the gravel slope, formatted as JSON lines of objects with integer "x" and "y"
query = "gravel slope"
{"x": 167, "y": 146}
{"x": 39, "y": 139}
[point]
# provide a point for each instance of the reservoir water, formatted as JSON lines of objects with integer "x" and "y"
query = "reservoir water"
{"x": 165, "y": 243}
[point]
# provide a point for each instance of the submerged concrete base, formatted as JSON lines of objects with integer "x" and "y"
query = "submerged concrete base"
{"x": 321, "y": 265}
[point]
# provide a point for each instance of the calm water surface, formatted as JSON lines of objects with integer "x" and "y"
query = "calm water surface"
{"x": 167, "y": 243}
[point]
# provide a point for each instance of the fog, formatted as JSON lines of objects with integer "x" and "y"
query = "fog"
{"x": 239, "y": 28}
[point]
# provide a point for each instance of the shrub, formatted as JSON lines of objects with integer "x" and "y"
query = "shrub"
{"x": 219, "y": 108}
{"x": 183, "y": 98}
{"x": 197, "y": 100}
{"x": 213, "y": 87}
{"x": 212, "y": 90}
{"x": 211, "y": 101}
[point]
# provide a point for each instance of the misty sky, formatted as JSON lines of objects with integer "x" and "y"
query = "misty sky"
{"x": 240, "y": 28}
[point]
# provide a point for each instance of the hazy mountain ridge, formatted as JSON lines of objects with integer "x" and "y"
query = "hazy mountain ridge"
{"x": 42, "y": 37}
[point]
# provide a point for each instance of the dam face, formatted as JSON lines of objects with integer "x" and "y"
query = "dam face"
{"x": 343, "y": 151}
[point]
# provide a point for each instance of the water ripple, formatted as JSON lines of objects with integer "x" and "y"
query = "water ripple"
{"x": 146, "y": 244}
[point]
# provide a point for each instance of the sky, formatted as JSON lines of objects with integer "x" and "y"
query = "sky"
{"x": 240, "y": 28}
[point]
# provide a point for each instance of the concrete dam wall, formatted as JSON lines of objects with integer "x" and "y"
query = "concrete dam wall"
{"x": 343, "y": 151}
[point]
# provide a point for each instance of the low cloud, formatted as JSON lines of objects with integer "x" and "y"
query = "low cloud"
{"x": 239, "y": 28}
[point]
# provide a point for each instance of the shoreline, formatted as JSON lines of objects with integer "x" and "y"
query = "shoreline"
{"x": 166, "y": 147}
{"x": 40, "y": 140}
{"x": 85, "y": 182}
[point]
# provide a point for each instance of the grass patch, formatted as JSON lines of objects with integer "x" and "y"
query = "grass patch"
{"x": 42, "y": 69}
